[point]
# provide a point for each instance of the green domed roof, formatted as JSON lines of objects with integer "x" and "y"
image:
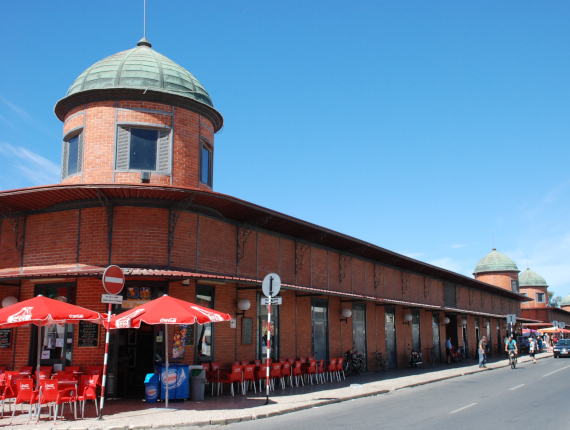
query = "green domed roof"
{"x": 531, "y": 279}
{"x": 144, "y": 68}
{"x": 494, "y": 261}
{"x": 565, "y": 301}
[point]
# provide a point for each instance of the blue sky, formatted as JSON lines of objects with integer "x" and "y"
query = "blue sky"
{"x": 428, "y": 128}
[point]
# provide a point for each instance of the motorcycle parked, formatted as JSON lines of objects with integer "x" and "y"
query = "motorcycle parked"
{"x": 353, "y": 362}
{"x": 415, "y": 358}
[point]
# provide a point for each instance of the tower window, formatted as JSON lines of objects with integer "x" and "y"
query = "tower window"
{"x": 206, "y": 161}
{"x": 143, "y": 149}
{"x": 72, "y": 156}
{"x": 540, "y": 297}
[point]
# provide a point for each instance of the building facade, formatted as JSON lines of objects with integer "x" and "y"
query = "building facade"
{"x": 137, "y": 191}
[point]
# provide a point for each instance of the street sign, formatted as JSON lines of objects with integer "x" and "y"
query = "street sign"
{"x": 271, "y": 285}
{"x": 111, "y": 298}
{"x": 554, "y": 323}
{"x": 274, "y": 301}
{"x": 562, "y": 324}
{"x": 113, "y": 279}
{"x": 511, "y": 318}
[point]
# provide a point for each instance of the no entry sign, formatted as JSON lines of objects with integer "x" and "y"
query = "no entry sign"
{"x": 113, "y": 279}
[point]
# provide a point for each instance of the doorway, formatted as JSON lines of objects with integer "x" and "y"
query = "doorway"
{"x": 359, "y": 330}
{"x": 477, "y": 336}
{"x": 391, "y": 352}
{"x": 416, "y": 335}
{"x": 204, "y": 351}
{"x": 436, "y": 339}
{"x": 451, "y": 330}
{"x": 464, "y": 332}
{"x": 320, "y": 325}
{"x": 489, "y": 342}
{"x": 56, "y": 340}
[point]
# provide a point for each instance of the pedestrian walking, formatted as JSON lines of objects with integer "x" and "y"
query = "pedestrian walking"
{"x": 483, "y": 352}
{"x": 532, "y": 349}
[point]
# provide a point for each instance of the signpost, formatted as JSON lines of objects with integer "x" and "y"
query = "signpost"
{"x": 270, "y": 286}
{"x": 511, "y": 319}
{"x": 113, "y": 282}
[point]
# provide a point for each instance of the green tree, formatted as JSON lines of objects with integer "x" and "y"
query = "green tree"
{"x": 553, "y": 302}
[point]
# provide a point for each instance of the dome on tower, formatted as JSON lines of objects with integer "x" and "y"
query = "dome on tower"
{"x": 140, "y": 71}
{"x": 565, "y": 301}
{"x": 531, "y": 279}
{"x": 494, "y": 261}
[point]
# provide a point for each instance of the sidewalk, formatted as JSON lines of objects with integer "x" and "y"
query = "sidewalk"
{"x": 135, "y": 414}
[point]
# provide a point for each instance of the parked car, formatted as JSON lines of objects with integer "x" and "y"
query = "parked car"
{"x": 562, "y": 349}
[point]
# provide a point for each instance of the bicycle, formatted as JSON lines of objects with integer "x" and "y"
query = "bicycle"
{"x": 512, "y": 360}
{"x": 378, "y": 362}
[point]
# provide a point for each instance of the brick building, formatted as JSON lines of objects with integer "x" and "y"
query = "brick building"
{"x": 137, "y": 191}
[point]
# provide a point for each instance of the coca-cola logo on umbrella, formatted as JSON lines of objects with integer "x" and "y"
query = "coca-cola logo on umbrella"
{"x": 125, "y": 322}
{"x": 25, "y": 314}
{"x": 214, "y": 317}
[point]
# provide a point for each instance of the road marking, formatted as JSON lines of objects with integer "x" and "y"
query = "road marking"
{"x": 518, "y": 386}
{"x": 566, "y": 367}
{"x": 464, "y": 407}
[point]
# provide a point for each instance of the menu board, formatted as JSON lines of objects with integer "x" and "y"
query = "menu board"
{"x": 88, "y": 336}
{"x": 247, "y": 331}
{"x": 5, "y": 337}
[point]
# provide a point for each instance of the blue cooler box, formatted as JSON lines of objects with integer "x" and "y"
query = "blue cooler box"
{"x": 178, "y": 380}
{"x": 151, "y": 388}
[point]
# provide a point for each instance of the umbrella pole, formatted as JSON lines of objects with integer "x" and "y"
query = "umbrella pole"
{"x": 166, "y": 350}
{"x": 39, "y": 354}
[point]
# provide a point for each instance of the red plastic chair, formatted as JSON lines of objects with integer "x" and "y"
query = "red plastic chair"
{"x": 286, "y": 373}
{"x": 297, "y": 374}
{"x": 340, "y": 368}
{"x": 282, "y": 360}
{"x": 26, "y": 394}
{"x": 230, "y": 377}
{"x": 331, "y": 368}
{"x": 87, "y": 390}
{"x": 248, "y": 378}
{"x": 261, "y": 373}
{"x": 257, "y": 363}
{"x": 48, "y": 396}
{"x": 2, "y": 369}
{"x": 292, "y": 361}
{"x": 9, "y": 390}
{"x": 321, "y": 369}
{"x": 303, "y": 359}
{"x": 47, "y": 369}
{"x": 311, "y": 358}
{"x": 244, "y": 362}
{"x": 26, "y": 370}
{"x": 275, "y": 373}
{"x": 310, "y": 370}
{"x": 213, "y": 376}
{"x": 72, "y": 369}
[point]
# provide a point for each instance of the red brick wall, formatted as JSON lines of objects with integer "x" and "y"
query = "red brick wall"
{"x": 531, "y": 293}
{"x": 498, "y": 279}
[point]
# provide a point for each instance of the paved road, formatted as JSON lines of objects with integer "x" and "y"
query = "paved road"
{"x": 501, "y": 398}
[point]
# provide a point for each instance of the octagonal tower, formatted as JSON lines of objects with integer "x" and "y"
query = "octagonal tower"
{"x": 499, "y": 270}
{"x": 137, "y": 116}
{"x": 535, "y": 287}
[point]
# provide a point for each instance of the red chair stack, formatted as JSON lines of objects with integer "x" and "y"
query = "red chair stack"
{"x": 230, "y": 378}
{"x": 297, "y": 373}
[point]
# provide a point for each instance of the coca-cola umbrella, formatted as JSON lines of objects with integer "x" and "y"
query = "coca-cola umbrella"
{"x": 168, "y": 311}
{"x": 43, "y": 311}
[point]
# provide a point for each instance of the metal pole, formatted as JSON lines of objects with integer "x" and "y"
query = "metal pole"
{"x": 268, "y": 337}
{"x": 105, "y": 363}
{"x": 166, "y": 350}
{"x": 39, "y": 355}
{"x": 144, "y": 19}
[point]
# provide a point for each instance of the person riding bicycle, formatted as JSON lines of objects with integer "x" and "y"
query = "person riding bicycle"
{"x": 512, "y": 346}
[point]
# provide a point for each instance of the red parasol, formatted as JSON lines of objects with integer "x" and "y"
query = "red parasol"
{"x": 167, "y": 310}
{"x": 43, "y": 311}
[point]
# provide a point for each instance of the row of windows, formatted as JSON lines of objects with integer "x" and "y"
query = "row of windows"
{"x": 138, "y": 149}
{"x": 538, "y": 297}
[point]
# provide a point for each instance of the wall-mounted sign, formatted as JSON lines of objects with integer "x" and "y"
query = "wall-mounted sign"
{"x": 5, "y": 337}
{"x": 247, "y": 331}
{"x": 88, "y": 335}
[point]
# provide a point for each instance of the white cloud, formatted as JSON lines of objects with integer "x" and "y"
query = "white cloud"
{"x": 458, "y": 246}
{"x": 15, "y": 108}
{"x": 451, "y": 264}
{"x": 35, "y": 168}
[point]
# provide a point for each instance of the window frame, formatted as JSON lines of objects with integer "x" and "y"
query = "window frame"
{"x": 536, "y": 297}
{"x": 155, "y": 149}
{"x": 205, "y": 144}
{"x": 71, "y": 134}
{"x": 144, "y": 126}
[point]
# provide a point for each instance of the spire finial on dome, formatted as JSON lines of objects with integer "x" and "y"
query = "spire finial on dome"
{"x": 494, "y": 249}
{"x": 144, "y": 42}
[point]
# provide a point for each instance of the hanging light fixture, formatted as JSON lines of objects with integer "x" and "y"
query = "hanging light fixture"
{"x": 346, "y": 313}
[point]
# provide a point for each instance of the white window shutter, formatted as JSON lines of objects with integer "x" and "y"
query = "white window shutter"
{"x": 64, "y": 160}
{"x": 123, "y": 140}
{"x": 80, "y": 153}
{"x": 164, "y": 151}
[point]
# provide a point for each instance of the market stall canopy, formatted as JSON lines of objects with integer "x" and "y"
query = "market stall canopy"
{"x": 44, "y": 311}
{"x": 167, "y": 310}
{"x": 553, "y": 330}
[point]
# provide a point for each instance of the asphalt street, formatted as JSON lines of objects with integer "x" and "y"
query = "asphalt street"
{"x": 528, "y": 397}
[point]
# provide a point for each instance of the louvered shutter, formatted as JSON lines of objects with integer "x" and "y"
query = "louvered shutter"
{"x": 64, "y": 160}
{"x": 163, "y": 151}
{"x": 80, "y": 153}
{"x": 123, "y": 140}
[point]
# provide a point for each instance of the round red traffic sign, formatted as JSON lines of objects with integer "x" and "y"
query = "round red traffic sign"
{"x": 113, "y": 279}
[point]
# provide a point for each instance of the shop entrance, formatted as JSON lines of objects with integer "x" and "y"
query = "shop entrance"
{"x": 359, "y": 330}
{"x": 320, "y": 323}
{"x": 451, "y": 330}
{"x": 436, "y": 339}
{"x": 56, "y": 340}
{"x": 390, "y": 326}
{"x": 416, "y": 337}
{"x": 134, "y": 352}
